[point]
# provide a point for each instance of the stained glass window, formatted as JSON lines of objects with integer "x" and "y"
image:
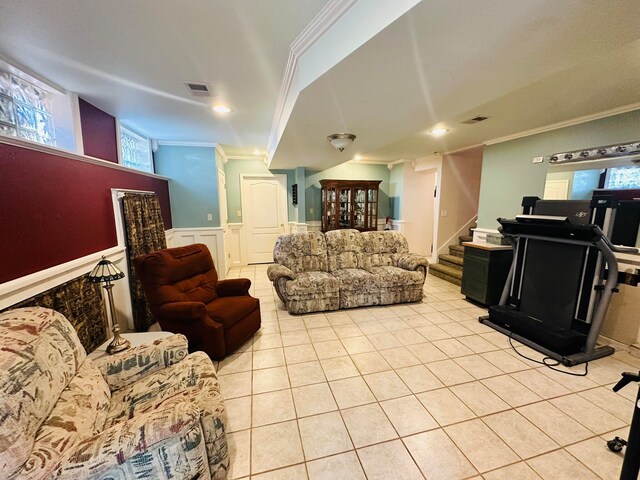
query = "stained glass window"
{"x": 25, "y": 110}
{"x": 135, "y": 151}
{"x": 623, "y": 177}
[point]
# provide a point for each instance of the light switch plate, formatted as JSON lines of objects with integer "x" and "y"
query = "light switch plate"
{"x": 538, "y": 159}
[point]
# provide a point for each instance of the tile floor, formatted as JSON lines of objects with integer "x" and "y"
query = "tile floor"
{"x": 412, "y": 391}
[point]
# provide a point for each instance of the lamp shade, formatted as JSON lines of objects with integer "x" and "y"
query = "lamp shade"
{"x": 341, "y": 140}
{"x": 104, "y": 271}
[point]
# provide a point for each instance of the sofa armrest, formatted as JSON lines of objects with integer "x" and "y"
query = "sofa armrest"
{"x": 124, "y": 368}
{"x": 413, "y": 261}
{"x": 276, "y": 271}
{"x": 233, "y": 287}
{"x": 279, "y": 275}
{"x": 169, "y": 442}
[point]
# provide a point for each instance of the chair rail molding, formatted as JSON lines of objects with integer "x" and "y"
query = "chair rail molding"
{"x": 25, "y": 287}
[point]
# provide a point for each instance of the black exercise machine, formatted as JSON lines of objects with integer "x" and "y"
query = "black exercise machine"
{"x": 562, "y": 278}
{"x": 631, "y": 463}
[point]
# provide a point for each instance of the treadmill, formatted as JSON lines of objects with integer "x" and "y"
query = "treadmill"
{"x": 562, "y": 278}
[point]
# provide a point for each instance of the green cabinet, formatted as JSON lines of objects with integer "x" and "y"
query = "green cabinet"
{"x": 485, "y": 272}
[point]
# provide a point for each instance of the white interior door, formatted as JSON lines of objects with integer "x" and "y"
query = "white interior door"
{"x": 225, "y": 257}
{"x": 264, "y": 209}
{"x": 418, "y": 211}
{"x": 556, "y": 190}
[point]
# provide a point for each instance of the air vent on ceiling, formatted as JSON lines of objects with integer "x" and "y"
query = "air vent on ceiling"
{"x": 198, "y": 89}
{"x": 473, "y": 120}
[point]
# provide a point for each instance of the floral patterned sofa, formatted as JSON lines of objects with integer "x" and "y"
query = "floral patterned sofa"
{"x": 150, "y": 412}
{"x": 317, "y": 271}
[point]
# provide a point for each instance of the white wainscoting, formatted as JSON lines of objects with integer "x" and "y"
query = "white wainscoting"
{"x": 235, "y": 244}
{"x": 295, "y": 227}
{"x": 25, "y": 287}
{"x": 398, "y": 225}
{"x": 212, "y": 237}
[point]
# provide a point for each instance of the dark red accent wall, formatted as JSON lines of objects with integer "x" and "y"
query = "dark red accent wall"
{"x": 55, "y": 209}
{"x": 98, "y": 132}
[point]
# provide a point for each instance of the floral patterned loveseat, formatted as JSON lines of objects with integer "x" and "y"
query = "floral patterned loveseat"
{"x": 317, "y": 271}
{"x": 150, "y": 412}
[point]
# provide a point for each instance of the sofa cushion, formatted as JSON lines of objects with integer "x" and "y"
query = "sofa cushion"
{"x": 343, "y": 248}
{"x": 356, "y": 279}
{"x": 381, "y": 249}
{"x": 39, "y": 354}
{"x": 319, "y": 284}
{"x": 230, "y": 310}
{"x": 80, "y": 413}
{"x": 302, "y": 252}
{"x": 388, "y": 276}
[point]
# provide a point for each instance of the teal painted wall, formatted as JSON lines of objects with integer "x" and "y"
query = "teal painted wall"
{"x": 346, "y": 171}
{"x": 508, "y": 174}
{"x": 300, "y": 212}
{"x": 396, "y": 185}
{"x": 234, "y": 168}
{"x": 193, "y": 184}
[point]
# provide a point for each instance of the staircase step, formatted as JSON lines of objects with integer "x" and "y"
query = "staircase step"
{"x": 451, "y": 261}
{"x": 446, "y": 273}
{"x": 465, "y": 238}
{"x": 457, "y": 250}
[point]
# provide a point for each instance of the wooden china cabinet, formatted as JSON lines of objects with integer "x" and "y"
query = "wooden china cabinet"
{"x": 349, "y": 204}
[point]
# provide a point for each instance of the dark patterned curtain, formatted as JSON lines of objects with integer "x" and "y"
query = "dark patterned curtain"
{"x": 145, "y": 234}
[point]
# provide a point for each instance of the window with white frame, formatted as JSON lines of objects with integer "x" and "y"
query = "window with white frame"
{"x": 135, "y": 151}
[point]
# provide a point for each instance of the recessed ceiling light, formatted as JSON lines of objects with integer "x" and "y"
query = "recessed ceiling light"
{"x": 438, "y": 132}
{"x": 221, "y": 108}
{"x": 256, "y": 152}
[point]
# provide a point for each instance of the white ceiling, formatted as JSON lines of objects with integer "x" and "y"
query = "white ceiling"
{"x": 523, "y": 64}
{"x": 131, "y": 59}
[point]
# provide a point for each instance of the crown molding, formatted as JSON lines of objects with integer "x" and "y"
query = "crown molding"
{"x": 322, "y": 22}
{"x": 176, "y": 143}
{"x": 567, "y": 123}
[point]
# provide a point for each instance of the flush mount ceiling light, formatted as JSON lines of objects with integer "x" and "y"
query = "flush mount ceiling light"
{"x": 341, "y": 140}
{"x": 222, "y": 109}
{"x": 438, "y": 132}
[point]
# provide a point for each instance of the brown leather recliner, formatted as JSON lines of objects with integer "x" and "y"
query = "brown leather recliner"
{"x": 182, "y": 287}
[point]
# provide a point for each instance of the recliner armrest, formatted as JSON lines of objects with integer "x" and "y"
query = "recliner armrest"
{"x": 175, "y": 429}
{"x": 233, "y": 287}
{"x": 129, "y": 366}
{"x": 412, "y": 261}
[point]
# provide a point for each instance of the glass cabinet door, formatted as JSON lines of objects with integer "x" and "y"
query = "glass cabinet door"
{"x": 345, "y": 207}
{"x": 372, "y": 204}
{"x": 359, "y": 208}
{"x": 331, "y": 209}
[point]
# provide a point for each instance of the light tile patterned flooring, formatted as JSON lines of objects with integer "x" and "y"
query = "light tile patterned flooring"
{"x": 412, "y": 391}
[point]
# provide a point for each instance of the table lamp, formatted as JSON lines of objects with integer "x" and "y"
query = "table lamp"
{"x": 106, "y": 272}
